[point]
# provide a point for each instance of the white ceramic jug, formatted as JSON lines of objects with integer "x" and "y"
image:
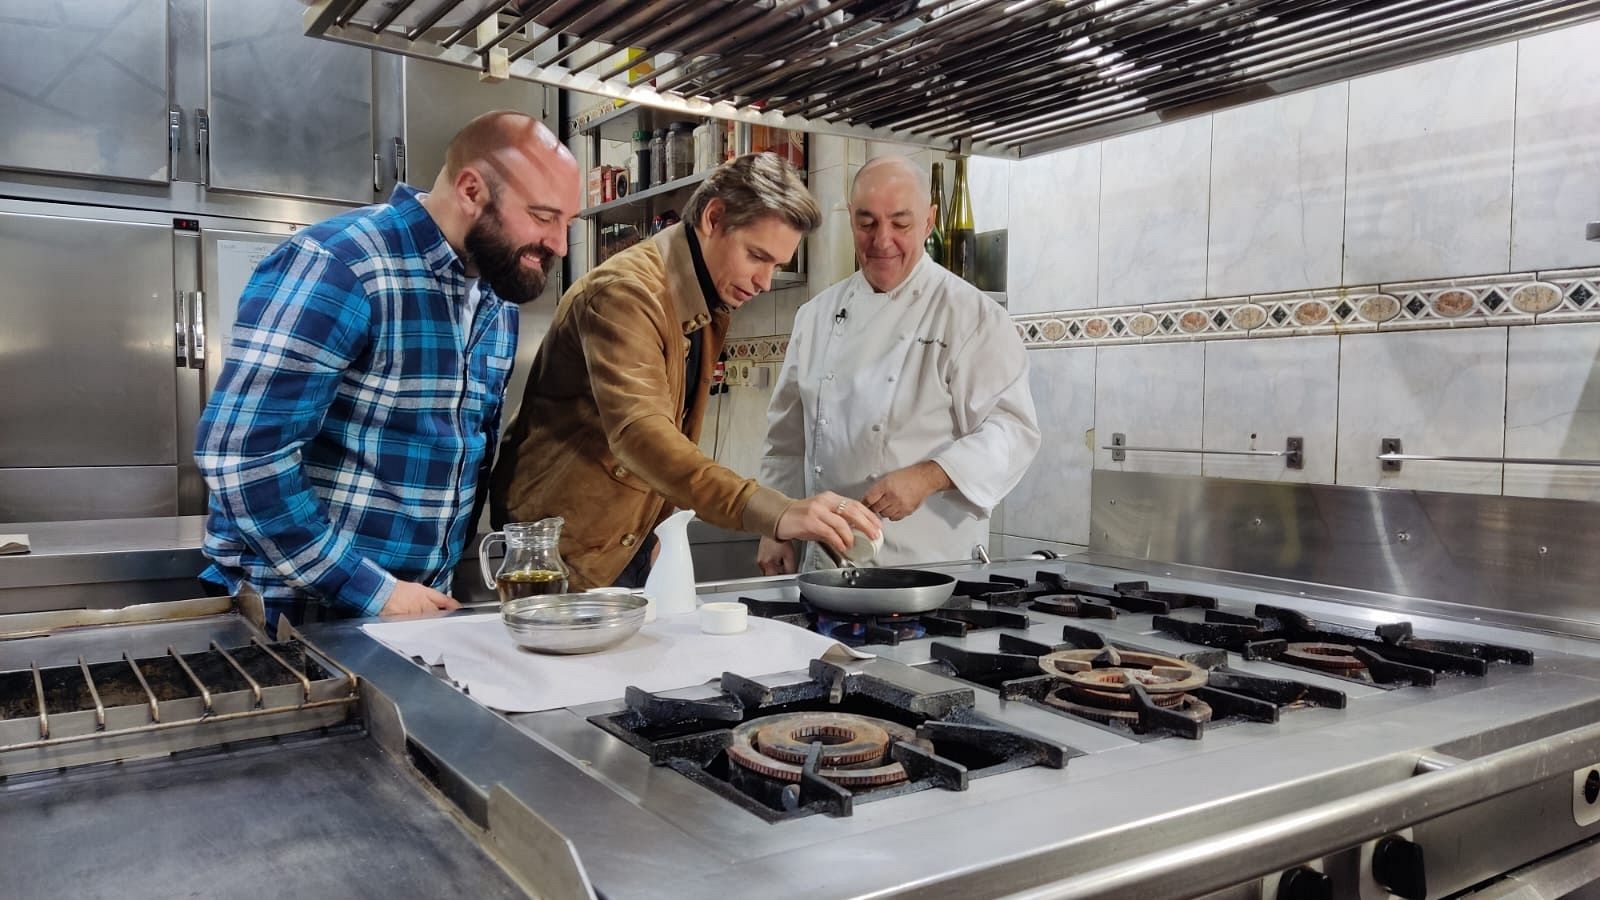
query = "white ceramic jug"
{"x": 671, "y": 581}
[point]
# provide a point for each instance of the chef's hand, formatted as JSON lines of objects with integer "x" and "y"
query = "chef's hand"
{"x": 900, "y": 493}
{"x": 828, "y": 518}
{"x": 411, "y": 599}
{"x": 775, "y": 557}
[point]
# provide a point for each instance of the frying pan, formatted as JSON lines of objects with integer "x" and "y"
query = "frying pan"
{"x": 876, "y": 591}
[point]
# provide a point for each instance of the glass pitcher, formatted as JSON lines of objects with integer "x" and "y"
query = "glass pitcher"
{"x": 532, "y": 563}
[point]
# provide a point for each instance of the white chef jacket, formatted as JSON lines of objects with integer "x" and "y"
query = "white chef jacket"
{"x": 874, "y": 382}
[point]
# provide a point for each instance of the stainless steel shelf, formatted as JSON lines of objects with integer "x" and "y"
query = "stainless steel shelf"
{"x": 642, "y": 196}
{"x": 1592, "y": 232}
{"x": 619, "y": 124}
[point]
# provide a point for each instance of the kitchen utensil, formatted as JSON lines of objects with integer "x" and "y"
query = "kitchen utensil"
{"x": 532, "y": 564}
{"x": 573, "y": 623}
{"x": 671, "y": 580}
{"x": 876, "y": 591}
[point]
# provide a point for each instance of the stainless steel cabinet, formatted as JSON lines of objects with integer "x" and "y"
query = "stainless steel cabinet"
{"x": 440, "y": 99}
{"x": 287, "y": 114}
{"x": 83, "y": 87}
{"x": 88, "y": 368}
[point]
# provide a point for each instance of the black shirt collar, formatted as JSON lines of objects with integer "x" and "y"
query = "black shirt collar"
{"x": 707, "y": 287}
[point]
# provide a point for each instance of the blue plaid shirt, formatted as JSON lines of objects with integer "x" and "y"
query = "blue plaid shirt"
{"x": 347, "y": 435}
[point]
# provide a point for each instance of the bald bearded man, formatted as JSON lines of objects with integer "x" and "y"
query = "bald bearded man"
{"x": 352, "y": 427}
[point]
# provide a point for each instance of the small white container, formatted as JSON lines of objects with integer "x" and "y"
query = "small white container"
{"x": 724, "y": 618}
{"x": 863, "y": 550}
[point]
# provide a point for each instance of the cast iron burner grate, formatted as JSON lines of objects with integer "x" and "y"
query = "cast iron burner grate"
{"x": 1389, "y": 655}
{"x": 823, "y": 745}
{"x": 955, "y": 619}
{"x": 1232, "y": 696}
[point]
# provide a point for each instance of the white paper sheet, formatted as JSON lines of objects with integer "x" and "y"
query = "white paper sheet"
{"x": 478, "y": 653}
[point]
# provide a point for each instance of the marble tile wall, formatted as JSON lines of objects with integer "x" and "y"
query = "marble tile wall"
{"x": 1440, "y": 392}
{"x": 1277, "y": 194}
{"x": 1553, "y": 409}
{"x": 1154, "y": 197}
{"x": 1152, "y": 394}
{"x": 1057, "y": 484}
{"x": 1429, "y": 182}
{"x": 1557, "y": 152}
{"x": 1244, "y": 411}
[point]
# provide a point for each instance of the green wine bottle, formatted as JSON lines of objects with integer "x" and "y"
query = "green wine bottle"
{"x": 961, "y": 235}
{"x": 935, "y": 242}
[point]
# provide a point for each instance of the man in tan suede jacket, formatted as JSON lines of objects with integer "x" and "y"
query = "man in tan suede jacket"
{"x": 607, "y": 434}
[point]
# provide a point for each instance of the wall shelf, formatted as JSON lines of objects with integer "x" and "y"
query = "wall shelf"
{"x": 644, "y": 195}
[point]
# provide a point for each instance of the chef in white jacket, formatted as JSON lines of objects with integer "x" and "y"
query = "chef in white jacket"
{"x": 904, "y": 386}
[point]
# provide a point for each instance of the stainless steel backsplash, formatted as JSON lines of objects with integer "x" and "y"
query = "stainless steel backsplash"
{"x": 1523, "y": 561}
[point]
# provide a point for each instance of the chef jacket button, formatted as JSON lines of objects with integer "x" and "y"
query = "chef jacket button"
{"x": 873, "y": 475}
{"x": 877, "y": 428}
{"x": 829, "y": 377}
{"x": 822, "y": 421}
{"x": 891, "y": 377}
{"x": 817, "y": 469}
{"x": 629, "y": 540}
{"x": 620, "y": 472}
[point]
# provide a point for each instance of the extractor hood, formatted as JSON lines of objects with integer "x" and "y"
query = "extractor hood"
{"x": 996, "y": 77}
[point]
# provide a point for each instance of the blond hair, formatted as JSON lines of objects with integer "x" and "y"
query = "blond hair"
{"x": 752, "y": 187}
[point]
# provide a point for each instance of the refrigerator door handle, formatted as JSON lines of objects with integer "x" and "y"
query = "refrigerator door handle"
{"x": 202, "y": 144}
{"x": 197, "y": 329}
{"x": 174, "y": 139}
{"x": 180, "y": 325}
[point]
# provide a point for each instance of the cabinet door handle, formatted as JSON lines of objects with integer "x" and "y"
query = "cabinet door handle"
{"x": 202, "y": 143}
{"x": 174, "y": 139}
{"x": 377, "y": 173}
{"x": 399, "y": 160}
{"x": 180, "y": 327}
{"x": 197, "y": 329}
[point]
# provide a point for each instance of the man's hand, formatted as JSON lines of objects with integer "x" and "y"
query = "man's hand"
{"x": 775, "y": 557}
{"x": 828, "y": 518}
{"x": 412, "y": 599}
{"x": 901, "y": 492}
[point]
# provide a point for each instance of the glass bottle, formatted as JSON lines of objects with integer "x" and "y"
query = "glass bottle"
{"x": 532, "y": 564}
{"x": 639, "y": 170}
{"x": 680, "y": 151}
{"x": 935, "y": 242}
{"x": 961, "y": 236}
{"x": 658, "y": 158}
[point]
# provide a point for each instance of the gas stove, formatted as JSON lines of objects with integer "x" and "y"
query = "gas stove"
{"x": 1087, "y": 727}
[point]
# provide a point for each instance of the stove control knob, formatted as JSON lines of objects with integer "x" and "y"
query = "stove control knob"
{"x": 1397, "y": 865}
{"x": 1305, "y": 883}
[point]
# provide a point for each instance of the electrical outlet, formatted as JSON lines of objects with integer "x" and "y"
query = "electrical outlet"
{"x": 760, "y": 376}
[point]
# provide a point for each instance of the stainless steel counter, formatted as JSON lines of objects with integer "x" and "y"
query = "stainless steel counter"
{"x": 1131, "y": 817}
{"x": 102, "y": 563}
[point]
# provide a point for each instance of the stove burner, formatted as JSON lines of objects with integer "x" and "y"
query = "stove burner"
{"x": 855, "y": 630}
{"x": 854, "y": 750}
{"x": 1186, "y": 705}
{"x": 1340, "y": 659}
{"x": 1113, "y": 671}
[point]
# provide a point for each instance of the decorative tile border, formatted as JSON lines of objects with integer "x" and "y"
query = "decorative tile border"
{"x": 1529, "y": 298}
{"x": 758, "y": 349}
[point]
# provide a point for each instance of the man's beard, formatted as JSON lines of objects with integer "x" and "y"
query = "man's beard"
{"x": 500, "y": 264}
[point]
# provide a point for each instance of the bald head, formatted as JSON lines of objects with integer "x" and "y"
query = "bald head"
{"x": 880, "y": 168}
{"x": 504, "y": 198}
{"x": 891, "y": 214}
{"x": 496, "y": 142}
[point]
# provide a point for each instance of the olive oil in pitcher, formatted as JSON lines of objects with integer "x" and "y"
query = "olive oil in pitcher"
{"x": 532, "y": 563}
{"x": 528, "y": 583}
